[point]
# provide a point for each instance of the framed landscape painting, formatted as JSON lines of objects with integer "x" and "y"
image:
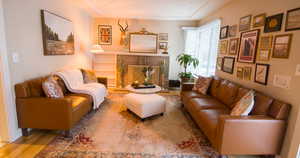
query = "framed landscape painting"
{"x": 245, "y": 23}
{"x": 232, "y": 30}
{"x": 292, "y": 20}
{"x": 248, "y": 46}
{"x": 58, "y": 34}
{"x": 259, "y": 20}
{"x": 282, "y": 44}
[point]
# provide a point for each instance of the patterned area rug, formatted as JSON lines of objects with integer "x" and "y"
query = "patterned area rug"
{"x": 114, "y": 132}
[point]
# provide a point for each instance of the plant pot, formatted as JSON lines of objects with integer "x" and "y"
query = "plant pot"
{"x": 185, "y": 79}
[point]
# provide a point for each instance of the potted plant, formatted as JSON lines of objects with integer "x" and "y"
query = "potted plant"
{"x": 186, "y": 60}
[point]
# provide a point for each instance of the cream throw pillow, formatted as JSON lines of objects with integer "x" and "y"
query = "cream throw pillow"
{"x": 202, "y": 84}
{"x": 244, "y": 106}
{"x": 52, "y": 88}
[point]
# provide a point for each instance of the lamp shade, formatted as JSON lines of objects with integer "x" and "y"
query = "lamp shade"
{"x": 96, "y": 49}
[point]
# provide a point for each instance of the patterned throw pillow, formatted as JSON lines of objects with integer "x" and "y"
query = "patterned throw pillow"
{"x": 244, "y": 106}
{"x": 202, "y": 84}
{"x": 52, "y": 88}
{"x": 89, "y": 76}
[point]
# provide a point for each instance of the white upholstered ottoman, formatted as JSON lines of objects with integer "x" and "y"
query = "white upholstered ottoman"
{"x": 145, "y": 105}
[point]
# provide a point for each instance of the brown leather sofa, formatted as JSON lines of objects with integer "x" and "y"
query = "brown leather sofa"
{"x": 36, "y": 111}
{"x": 260, "y": 133}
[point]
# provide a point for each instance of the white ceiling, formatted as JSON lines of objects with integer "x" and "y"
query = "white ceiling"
{"x": 152, "y": 9}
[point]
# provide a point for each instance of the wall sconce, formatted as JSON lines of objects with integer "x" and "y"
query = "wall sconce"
{"x": 96, "y": 49}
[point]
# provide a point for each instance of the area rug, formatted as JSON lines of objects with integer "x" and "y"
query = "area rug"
{"x": 112, "y": 131}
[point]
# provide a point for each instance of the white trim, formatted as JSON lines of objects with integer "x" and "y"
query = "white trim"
{"x": 298, "y": 155}
{"x": 10, "y": 131}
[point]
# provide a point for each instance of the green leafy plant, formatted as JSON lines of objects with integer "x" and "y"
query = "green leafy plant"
{"x": 186, "y": 60}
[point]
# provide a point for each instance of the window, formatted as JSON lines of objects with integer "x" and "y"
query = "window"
{"x": 202, "y": 43}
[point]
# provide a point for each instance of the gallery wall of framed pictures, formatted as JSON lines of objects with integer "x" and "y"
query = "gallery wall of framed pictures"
{"x": 247, "y": 48}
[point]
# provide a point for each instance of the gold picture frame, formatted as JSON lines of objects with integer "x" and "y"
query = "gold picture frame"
{"x": 247, "y": 73}
{"x": 282, "y": 45}
{"x": 233, "y": 46}
{"x": 266, "y": 42}
{"x": 263, "y": 55}
{"x": 223, "y": 47}
{"x": 240, "y": 72}
{"x": 259, "y": 20}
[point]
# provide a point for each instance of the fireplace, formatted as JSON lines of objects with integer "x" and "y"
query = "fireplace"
{"x": 129, "y": 69}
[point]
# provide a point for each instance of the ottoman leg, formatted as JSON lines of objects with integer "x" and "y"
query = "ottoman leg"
{"x": 143, "y": 119}
{"x": 162, "y": 114}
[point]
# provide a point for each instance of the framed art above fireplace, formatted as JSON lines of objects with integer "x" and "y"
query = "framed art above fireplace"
{"x": 143, "y": 43}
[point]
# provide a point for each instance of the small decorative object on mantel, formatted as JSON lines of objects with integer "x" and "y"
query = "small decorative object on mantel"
{"x": 223, "y": 47}
{"x": 261, "y": 73}
{"x": 148, "y": 72}
{"x": 124, "y": 39}
{"x": 58, "y": 34}
{"x": 163, "y": 36}
{"x": 186, "y": 60}
{"x": 105, "y": 34}
{"x": 259, "y": 20}
{"x": 248, "y": 46}
{"x": 228, "y": 64}
{"x": 282, "y": 44}
{"x": 163, "y": 45}
{"x": 224, "y": 32}
{"x": 292, "y": 20}
{"x": 273, "y": 23}
{"x": 233, "y": 46}
{"x": 232, "y": 30}
{"x": 245, "y": 23}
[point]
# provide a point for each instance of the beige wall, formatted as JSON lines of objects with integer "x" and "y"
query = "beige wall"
{"x": 173, "y": 28}
{"x": 230, "y": 15}
{"x": 24, "y": 36}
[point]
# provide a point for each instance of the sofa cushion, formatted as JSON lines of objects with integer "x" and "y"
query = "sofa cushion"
{"x": 35, "y": 87}
{"x": 206, "y": 103}
{"x": 202, "y": 84}
{"x": 244, "y": 106}
{"x": 89, "y": 76}
{"x": 227, "y": 93}
{"x": 262, "y": 104}
{"x": 80, "y": 106}
{"x": 241, "y": 92}
{"x": 208, "y": 121}
{"x": 214, "y": 86}
{"x": 186, "y": 96}
{"x": 279, "y": 110}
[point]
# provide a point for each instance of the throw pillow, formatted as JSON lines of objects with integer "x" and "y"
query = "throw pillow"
{"x": 244, "y": 106}
{"x": 89, "y": 76}
{"x": 202, "y": 84}
{"x": 52, "y": 89}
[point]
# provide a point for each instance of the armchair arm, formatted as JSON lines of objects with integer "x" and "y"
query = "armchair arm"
{"x": 44, "y": 113}
{"x": 102, "y": 80}
{"x": 261, "y": 135}
{"x": 187, "y": 86}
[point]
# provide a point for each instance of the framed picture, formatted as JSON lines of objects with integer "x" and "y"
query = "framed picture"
{"x": 263, "y": 55}
{"x": 58, "y": 34}
{"x": 219, "y": 63}
{"x": 247, "y": 73}
{"x": 261, "y": 73}
{"x": 163, "y": 45}
{"x": 265, "y": 42}
{"x": 245, "y": 23}
{"x": 232, "y": 30}
{"x": 224, "y": 32}
{"x": 233, "y": 46}
{"x": 273, "y": 23}
{"x": 282, "y": 44}
{"x": 163, "y": 36}
{"x": 259, "y": 20}
{"x": 248, "y": 46}
{"x": 228, "y": 64}
{"x": 292, "y": 20}
{"x": 104, "y": 34}
{"x": 223, "y": 47}
{"x": 240, "y": 72}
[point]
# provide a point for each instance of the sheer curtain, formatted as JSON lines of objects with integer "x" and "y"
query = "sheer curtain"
{"x": 202, "y": 43}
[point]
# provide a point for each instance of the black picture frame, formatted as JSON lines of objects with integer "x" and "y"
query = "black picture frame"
{"x": 231, "y": 70}
{"x": 265, "y": 82}
{"x": 288, "y": 18}
{"x": 226, "y": 34}
{"x": 270, "y": 20}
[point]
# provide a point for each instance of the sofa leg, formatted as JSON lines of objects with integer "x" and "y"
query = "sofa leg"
{"x": 223, "y": 156}
{"x": 269, "y": 156}
{"x": 25, "y": 132}
{"x": 67, "y": 134}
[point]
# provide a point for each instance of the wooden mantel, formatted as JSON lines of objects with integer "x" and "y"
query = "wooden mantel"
{"x": 105, "y": 64}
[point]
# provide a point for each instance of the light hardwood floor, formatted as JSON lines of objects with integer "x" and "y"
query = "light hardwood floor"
{"x": 27, "y": 147}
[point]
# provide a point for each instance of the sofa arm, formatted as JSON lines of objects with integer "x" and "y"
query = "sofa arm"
{"x": 44, "y": 113}
{"x": 102, "y": 80}
{"x": 187, "y": 86}
{"x": 249, "y": 135}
